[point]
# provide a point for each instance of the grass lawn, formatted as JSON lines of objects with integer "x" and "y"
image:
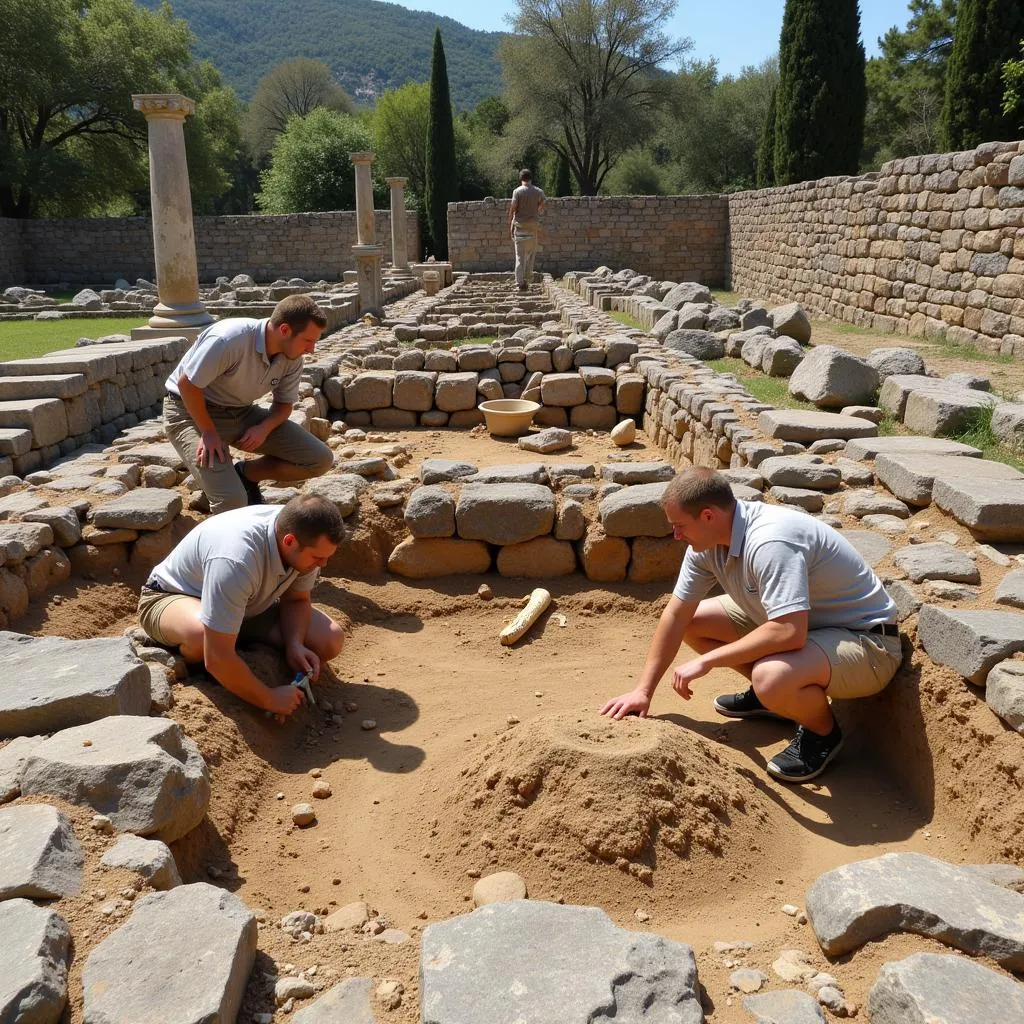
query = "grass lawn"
{"x": 774, "y": 390}
{"x": 626, "y": 320}
{"x": 24, "y": 339}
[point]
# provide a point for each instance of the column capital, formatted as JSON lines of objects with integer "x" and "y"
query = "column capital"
{"x": 361, "y": 158}
{"x": 170, "y": 105}
{"x": 397, "y": 182}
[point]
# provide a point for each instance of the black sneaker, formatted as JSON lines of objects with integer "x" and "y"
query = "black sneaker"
{"x": 252, "y": 489}
{"x": 744, "y": 705}
{"x": 807, "y": 756}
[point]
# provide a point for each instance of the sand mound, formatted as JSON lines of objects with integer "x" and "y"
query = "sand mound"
{"x": 576, "y": 790}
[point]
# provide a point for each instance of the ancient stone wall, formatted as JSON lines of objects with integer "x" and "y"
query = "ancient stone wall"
{"x": 930, "y": 245}
{"x": 97, "y": 251}
{"x": 682, "y": 238}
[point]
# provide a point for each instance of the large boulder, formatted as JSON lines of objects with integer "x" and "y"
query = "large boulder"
{"x": 697, "y": 343}
{"x": 421, "y": 558}
{"x": 688, "y": 291}
{"x": 889, "y": 361}
{"x": 791, "y": 321}
{"x": 969, "y": 642}
{"x": 343, "y": 489}
{"x": 635, "y": 512}
{"x": 832, "y": 378}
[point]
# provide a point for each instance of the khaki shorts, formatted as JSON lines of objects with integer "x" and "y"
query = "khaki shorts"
{"x": 862, "y": 663}
{"x": 153, "y": 603}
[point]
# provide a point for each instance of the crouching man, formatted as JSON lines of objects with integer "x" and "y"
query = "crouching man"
{"x": 247, "y": 575}
{"x": 803, "y": 617}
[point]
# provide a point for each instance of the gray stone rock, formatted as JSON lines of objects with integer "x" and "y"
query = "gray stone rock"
{"x": 872, "y": 503}
{"x": 745, "y": 476}
{"x": 854, "y": 474}
{"x": 372, "y": 390}
{"x": 791, "y": 320}
{"x": 942, "y": 590}
{"x": 757, "y": 316}
{"x": 1004, "y": 693}
{"x": 1010, "y": 590}
{"x": 828, "y": 376}
{"x": 666, "y": 325}
{"x": 969, "y": 642}
{"x": 504, "y": 513}
{"x": 858, "y": 902}
{"x": 563, "y": 390}
{"x": 200, "y": 945}
{"x": 143, "y": 773}
{"x": 898, "y": 387}
{"x": 348, "y": 1002}
{"x": 993, "y": 510}
{"x": 62, "y": 682}
{"x": 889, "y": 525}
{"x": 935, "y": 988}
{"x": 12, "y": 764}
{"x": 343, "y": 489}
{"x": 889, "y": 361}
{"x": 34, "y": 967}
{"x": 905, "y": 598}
{"x": 688, "y": 291}
{"x": 635, "y": 511}
{"x": 370, "y": 466}
{"x": 940, "y": 411}
{"x": 532, "y": 961}
{"x": 696, "y": 343}
{"x": 804, "y": 426}
{"x": 146, "y": 508}
{"x": 1008, "y": 424}
{"x": 62, "y": 521}
{"x": 911, "y": 477}
{"x": 936, "y": 561}
{"x": 1009, "y": 876}
{"x": 435, "y": 471}
{"x": 872, "y": 547}
{"x": 800, "y": 471}
{"x": 161, "y": 454}
{"x": 149, "y": 858}
{"x": 514, "y": 473}
{"x": 975, "y": 381}
{"x": 30, "y": 537}
{"x": 637, "y": 472}
{"x": 40, "y": 858}
{"x": 781, "y": 356}
{"x": 553, "y": 439}
{"x": 801, "y": 497}
{"x": 430, "y": 512}
{"x": 866, "y": 449}
{"x": 786, "y": 1007}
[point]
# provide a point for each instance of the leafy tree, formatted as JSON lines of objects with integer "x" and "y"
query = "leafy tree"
{"x": 293, "y": 88}
{"x": 400, "y": 125}
{"x": 310, "y": 168}
{"x": 987, "y": 35}
{"x": 441, "y": 185}
{"x": 584, "y": 77}
{"x": 69, "y": 139}
{"x": 821, "y": 97}
{"x": 766, "y": 147}
{"x": 636, "y": 173}
{"x": 563, "y": 177}
{"x": 1013, "y": 79}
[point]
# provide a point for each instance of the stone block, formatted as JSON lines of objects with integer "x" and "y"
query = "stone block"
{"x": 61, "y": 520}
{"x": 23, "y": 540}
{"x": 148, "y": 858}
{"x": 455, "y": 391}
{"x": 430, "y": 512}
{"x": 15, "y": 440}
{"x": 553, "y": 439}
{"x": 828, "y": 376}
{"x": 699, "y": 344}
{"x": 604, "y": 559}
{"x": 540, "y": 558}
{"x": 911, "y": 477}
{"x": 637, "y": 472}
{"x": 369, "y": 390}
{"x": 1004, "y": 693}
{"x": 421, "y": 558}
{"x": 563, "y": 389}
{"x": 46, "y": 418}
{"x": 1010, "y": 590}
{"x": 635, "y": 511}
{"x": 936, "y": 561}
{"x": 800, "y": 471}
{"x": 969, "y": 642}
{"x": 787, "y": 1006}
{"x": 993, "y": 510}
{"x": 780, "y": 357}
{"x": 348, "y": 1002}
{"x": 936, "y": 412}
{"x": 866, "y": 449}
{"x": 504, "y": 513}
{"x": 1008, "y": 424}
{"x": 861, "y": 503}
{"x": 435, "y": 471}
{"x": 146, "y": 508}
{"x": 801, "y": 497}
{"x": 34, "y": 968}
{"x": 805, "y": 426}
{"x": 655, "y": 558}
{"x": 344, "y": 489}
{"x": 40, "y": 857}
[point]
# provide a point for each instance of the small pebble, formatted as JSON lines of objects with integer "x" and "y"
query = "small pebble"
{"x": 322, "y": 790}
{"x": 641, "y": 915}
{"x": 101, "y": 823}
{"x": 368, "y": 724}
{"x": 279, "y": 796}
{"x": 303, "y": 814}
{"x": 351, "y": 707}
{"x": 789, "y": 910}
{"x": 484, "y": 592}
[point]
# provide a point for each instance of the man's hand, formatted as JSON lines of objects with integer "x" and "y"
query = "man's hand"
{"x": 685, "y": 674}
{"x": 636, "y": 702}
{"x": 284, "y": 700}
{"x": 302, "y": 659}
{"x": 252, "y": 440}
{"x": 210, "y": 447}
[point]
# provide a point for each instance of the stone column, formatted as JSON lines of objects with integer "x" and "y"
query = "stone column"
{"x": 399, "y": 229}
{"x": 174, "y": 242}
{"x": 369, "y": 255}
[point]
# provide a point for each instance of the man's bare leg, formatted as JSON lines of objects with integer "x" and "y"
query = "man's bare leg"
{"x": 179, "y": 624}
{"x": 793, "y": 685}
{"x": 324, "y": 636}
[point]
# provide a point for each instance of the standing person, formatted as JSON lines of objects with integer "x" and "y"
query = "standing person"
{"x": 527, "y": 204}
{"x": 247, "y": 574}
{"x": 804, "y": 618}
{"x": 210, "y": 396}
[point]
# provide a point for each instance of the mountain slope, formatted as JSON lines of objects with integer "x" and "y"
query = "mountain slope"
{"x": 369, "y": 46}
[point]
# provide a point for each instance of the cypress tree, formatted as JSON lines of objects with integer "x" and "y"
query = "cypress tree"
{"x": 563, "y": 181}
{"x": 822, "y": 93}
{"x": 986, "y": 34}
{"x": 766, "y": 147}
{"x": 441, "y": 184}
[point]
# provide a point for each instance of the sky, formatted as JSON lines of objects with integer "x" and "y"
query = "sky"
{"x": 737, "y": 32}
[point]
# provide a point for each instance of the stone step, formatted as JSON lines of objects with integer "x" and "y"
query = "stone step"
{"x": 865, "y": 449}
{"x": 911, "y": 476}
{"x": 969, "y": 642}
{"x": 63, "y": 385}
{"x": 993, "y": 510}
{"x": 805, "y": 426}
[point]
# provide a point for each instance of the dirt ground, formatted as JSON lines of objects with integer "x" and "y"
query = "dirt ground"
{"x": 484, "y": 758}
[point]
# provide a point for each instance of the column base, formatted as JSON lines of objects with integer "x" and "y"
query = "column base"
{"x": 191, "y": 314}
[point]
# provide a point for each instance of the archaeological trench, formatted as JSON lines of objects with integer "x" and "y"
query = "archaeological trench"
{"x": 452, "y": 834}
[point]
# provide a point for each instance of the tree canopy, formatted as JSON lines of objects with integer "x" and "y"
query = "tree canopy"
{"x": 441, "y": 185}
{"x": 400, "y": 125}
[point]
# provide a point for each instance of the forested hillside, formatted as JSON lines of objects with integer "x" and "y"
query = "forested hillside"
{"x": 369, "y": 46}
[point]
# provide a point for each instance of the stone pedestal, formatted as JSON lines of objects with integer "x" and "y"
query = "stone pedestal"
{"x": 368, "y": 266}
{"x": 174, "y": 243}
{"x": 399, "y": 230}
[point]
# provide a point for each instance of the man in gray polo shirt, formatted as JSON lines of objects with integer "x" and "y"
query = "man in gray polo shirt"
{"x": 210, "y": 396}
{"x": 248, "y": 574}
{"x": 803, "y": 618}
{"x": 527, "y": 203}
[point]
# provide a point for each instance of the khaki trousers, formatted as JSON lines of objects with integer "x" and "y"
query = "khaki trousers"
{"x": 524, "y": 238}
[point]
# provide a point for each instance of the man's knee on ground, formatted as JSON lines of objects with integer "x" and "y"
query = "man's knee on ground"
{"x": 333, "y": 642}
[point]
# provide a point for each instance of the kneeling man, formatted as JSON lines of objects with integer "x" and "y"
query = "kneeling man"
{"x": 247, "y": 574}
{"x": 803, "y": 617}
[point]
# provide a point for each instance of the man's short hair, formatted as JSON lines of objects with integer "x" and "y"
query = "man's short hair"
{"x": 697, "y": 488}
{"x": 308, "y": 517}
{"x": 297, "y": 311}
{"x": 525, "y": 174}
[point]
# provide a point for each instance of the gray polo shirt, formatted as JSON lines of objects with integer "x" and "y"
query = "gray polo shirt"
{"x": 526, "y": 202}
{"x": 229, "y": 362}
{"x": 231, "y": 563}
{"x": 780, "y": 561}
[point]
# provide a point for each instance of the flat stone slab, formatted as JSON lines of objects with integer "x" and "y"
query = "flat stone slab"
{"x": 34, "y": 967}
{"x": 15, "y": 440}
{"x": 944, "y": 410}
{"x": 40, "y": 858}
{"x": 344, "y": 489}
{"x": 45, "y": 417}
{"x": 348, "y": 1002}
{"x": 62, "y": 683}
{"x": 911, "y": 477}
{"x": 936, "y": 561}
{"x": 160, "y": 454}
{"x": 910, "y": 892}
{"x": 539, "y": 962}
{"x": 865, "y": 449}
{"x": 969, "y": 642}
{"x": 871, "y": 546}
{"x": 436, "y": 471}
{"x": 800, "y": 471}
{"x": 145, "y": 508}
{"x": 635, "y": 512}
{"x": 504, "y": 513}
{"x": 993, "y": 510}
{"x": 554, "y": 439}
{"x": 1004, "y": 693}
{"x": 935, "y": 988}
{"x": 200, "y": 945}
{"x": 804, "y": 426}
{"x": 145, "y": 774}
{"x": 521, "y": 473}
{"x": 786, "y": 1007}
{"x": 638, "y": 472}
{"x": 149, "y": 858}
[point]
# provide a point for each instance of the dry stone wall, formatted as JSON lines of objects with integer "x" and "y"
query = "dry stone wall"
{"x": 930, "y": 245}
{"x": 97, "y": 251}
{"x": 678, "y": 237}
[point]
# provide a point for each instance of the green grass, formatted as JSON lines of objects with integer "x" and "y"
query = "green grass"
{"x": 843, "y": 328}
{"x": 454, "y": 343}
{"x": 626, "y": 320}
{"x": 979, "y": 434}
{"x": 725, "y": 297}
{"x": 25, "y": 339}
{"x": 954, "y": 350}
{"x": 773, "y": 390}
